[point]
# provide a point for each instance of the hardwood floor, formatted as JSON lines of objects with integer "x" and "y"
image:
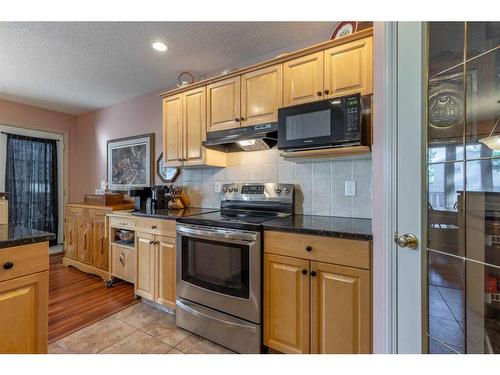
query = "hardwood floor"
{"x": 77, "y": 299}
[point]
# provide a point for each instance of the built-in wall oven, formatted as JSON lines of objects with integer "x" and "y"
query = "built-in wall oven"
{"x": 219, "y": 265}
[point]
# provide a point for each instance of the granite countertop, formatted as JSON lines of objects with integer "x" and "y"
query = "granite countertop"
{"x": 11, "y": 235}
{"x": 174, "y": 214}
{"x": 331, "y": 226}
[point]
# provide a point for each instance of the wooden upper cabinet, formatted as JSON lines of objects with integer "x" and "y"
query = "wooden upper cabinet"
{"x": 340, "y": 309}
{"x": 286, "y": 304}
{"x": 348, "y": 68}
{"x": 165, "y": 276}
{"x": 223, "y": 104}
{"x": 261, "y": 95}
{"x": 101, "y": 250}
{"x": 23, "y": 313}
{"x": 85, "y": 239}
{"x": 194, "y": 108}
{"x": 145, "y": 266}
{"x": 71, "y": 235}
{"x": 303, "y": 79}
{"x": 172, "y": 130}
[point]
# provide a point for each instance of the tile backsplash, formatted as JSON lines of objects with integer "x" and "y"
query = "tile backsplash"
{"x": 320, "y": 184}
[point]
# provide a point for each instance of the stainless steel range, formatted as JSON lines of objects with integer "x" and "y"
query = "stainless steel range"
{"x": 219, "y": 265}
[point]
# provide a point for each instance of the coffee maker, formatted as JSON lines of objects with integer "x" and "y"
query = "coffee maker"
{"x": 150, "y": 199}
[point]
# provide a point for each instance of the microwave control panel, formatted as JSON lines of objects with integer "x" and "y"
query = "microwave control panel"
{"x": 352, "y": 115}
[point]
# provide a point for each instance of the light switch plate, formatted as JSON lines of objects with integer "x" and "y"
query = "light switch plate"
{"x": 218, "y": 186}
{"x": 350, "y": 189}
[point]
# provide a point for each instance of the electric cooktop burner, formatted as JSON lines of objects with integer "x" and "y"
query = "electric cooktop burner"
{"x": 247, "y": 206}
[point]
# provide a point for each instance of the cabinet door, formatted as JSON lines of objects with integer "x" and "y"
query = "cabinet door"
{"x": 286, "y": 304}
{"x": 340, "y": 309}
{"x": 145, "y": 266}
{"x": 23, "y": 314}
{"x": 123, "y": 263}
{"x": 71, "y": 235}
{"x": 348, "y": 68}
{"x": 195, "y": 125}
{"x": 85, "y": 239}
{"x": 4, "y": 211}
{"x": 165, "y": 271}
{"x": 303, "y": 79}
{"x": 101, "y": 250}
{"x": 261, "y": 95}
{"x": 172, "y": 130}
{"x": 223, "y": 104}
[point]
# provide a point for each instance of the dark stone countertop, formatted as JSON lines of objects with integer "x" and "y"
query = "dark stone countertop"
{"x": 331, "y": 226}
{"x": 11, "y": 235}
{"x": 174, "y": 214}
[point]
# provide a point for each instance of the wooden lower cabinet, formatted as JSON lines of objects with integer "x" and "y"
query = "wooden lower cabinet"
{"x": 123, "y": 262}
{"x": 165, "y": 271}
{"x": 340, "y": 309}
{"x": 286, "y": 304}
{"x": 100, "y": 244}
{"x": 71, "y": 235}
{"x": 23, "y": 314}
{"x": 85, "y": 237}
{"x": 145, "y": 279}
{"x": 155, "y": 278}
{"x": 315, "y": 307}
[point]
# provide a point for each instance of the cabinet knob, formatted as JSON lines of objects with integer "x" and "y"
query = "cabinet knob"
{"x": 237, "y": 119}
{"x": 313, "y": 273}
{"x": 309, "y": 248}
{"x": 154, "y": 226}
{"x": 243, "y": 119}
{"x": 304, "y": 272}
{"x": 151, "y": 242}
{"x": 327, "y": 92}
{"x": 8, "y": 265}
{"x": 319, "y": 93}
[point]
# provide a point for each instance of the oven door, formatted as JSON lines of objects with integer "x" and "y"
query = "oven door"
{"x": 220, "y": 268}
{"x": 328, "y": 123}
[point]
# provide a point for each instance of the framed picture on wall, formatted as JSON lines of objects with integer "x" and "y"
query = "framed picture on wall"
{"x": 130, "y": 162}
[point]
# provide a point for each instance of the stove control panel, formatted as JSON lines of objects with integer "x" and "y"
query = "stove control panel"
{"x": 258, "y": 192}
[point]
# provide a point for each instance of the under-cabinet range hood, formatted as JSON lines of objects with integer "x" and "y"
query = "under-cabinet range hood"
{"x": 248, "y": 138}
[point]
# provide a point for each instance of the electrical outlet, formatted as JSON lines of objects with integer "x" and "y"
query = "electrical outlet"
{"x": 218, "y": 186}
{"x": 350, "y": 189}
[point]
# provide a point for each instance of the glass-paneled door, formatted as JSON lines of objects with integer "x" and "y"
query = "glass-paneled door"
{"x": 463, "y": 187}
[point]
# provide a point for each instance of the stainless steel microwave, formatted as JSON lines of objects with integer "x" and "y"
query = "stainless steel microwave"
{"x": 327, "y": 123}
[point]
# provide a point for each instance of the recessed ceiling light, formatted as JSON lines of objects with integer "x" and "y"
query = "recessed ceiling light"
{"x": 159, "y": 46}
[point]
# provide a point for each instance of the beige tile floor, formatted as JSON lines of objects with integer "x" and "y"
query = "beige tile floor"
{"x": 139, "y": 329}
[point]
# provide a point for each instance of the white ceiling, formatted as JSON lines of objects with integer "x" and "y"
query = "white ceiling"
{"x": 77, "y": 67}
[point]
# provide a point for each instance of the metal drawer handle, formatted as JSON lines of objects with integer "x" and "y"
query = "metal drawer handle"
{"x": 122, "y": 259}
{"x": 8, "y": 265}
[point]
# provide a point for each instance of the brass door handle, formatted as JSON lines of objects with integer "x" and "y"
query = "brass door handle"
{"x": 122, "y": 259}
{"x": 406, "y": 240}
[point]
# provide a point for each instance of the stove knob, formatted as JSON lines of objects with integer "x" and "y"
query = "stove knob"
{"x": 224, "y": 190}
{"x": 231, "y": 190}
{"x": 235, "y": 189}
{"x": 285, "y": 190}
{"x": 277, "y": 189}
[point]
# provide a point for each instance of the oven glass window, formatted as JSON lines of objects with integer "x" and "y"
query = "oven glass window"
{"x": 218, "y": 266}
{"x": 308, "y": 125}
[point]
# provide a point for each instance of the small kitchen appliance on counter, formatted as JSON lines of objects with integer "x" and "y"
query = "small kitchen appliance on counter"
{"x": 219, "y": 264}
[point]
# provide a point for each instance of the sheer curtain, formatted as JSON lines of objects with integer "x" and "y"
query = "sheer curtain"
{"x": 31, "y": 180}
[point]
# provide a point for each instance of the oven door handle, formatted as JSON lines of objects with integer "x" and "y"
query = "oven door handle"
{"x": 220, "y": 234}
{"x": 190, "y": 308}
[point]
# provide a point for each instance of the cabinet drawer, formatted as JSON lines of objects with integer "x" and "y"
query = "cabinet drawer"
{"x": 351, "y": 253}
{"x": 26, "y": 259}
{"x": 100, "y": 213}
{"x": 122, "y": 222}
{"x": 123, "y": 262}
{"x": 156, "y": 226}
{"x": 73, "y": 210}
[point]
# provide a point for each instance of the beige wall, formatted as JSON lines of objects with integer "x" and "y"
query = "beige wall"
{"x": 136, "y": 116}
